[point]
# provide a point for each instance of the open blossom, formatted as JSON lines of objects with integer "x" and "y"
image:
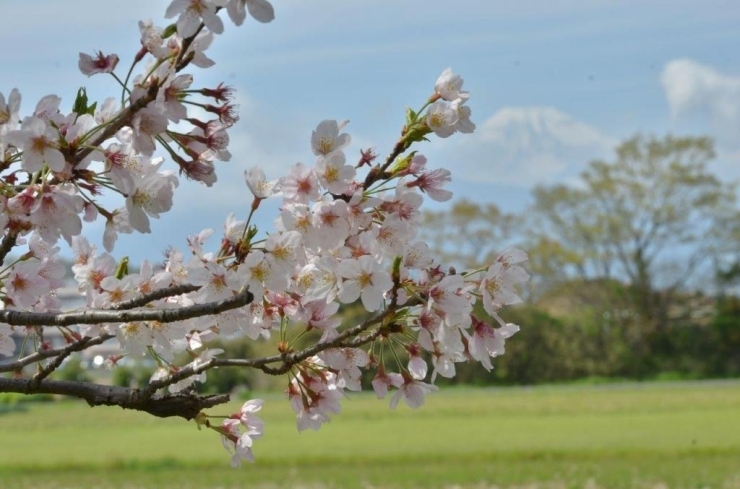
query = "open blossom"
{"x": 193, "y": 12}
{"x": 99, "y": 64}
{"x": 326, "y": 138}
{"x": 261, "y": 10}
{"x": 448, "y": 86}
{"x": 431, "y": 183}
{"x": 147, "y": 124}
{"x": 334, "y": 174}
{"x": 383, "y": 381}
{"x": 7, "y": 343}
{"x": 39, "y": 142}
{"x": 487, "y": 342}
{"x": 152, "y": 196}
{"x": 301, "y": 185}
{"x": 258, "y": 184}
{"x": 464, "y": 124}
{"x": 238, "y": 444}
{"x": 498, "y": 284}
{"x": 152, "y": 41}
{"x": 9, "y": 112}
{"x": 441, "y": 119}
{"x": 25, "y": 286}
{"x": 412, "y": 392}
{"x": 366, "y": 279}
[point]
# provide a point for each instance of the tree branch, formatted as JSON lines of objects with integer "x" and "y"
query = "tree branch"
{"x": 21, "y": 318}
{"x": 183, "y": 405}
{"x": 155, "y": 295}
{"x": 79, "y": 345}
{"x": 288, "y": 359}
{"x": 6, "y": 245}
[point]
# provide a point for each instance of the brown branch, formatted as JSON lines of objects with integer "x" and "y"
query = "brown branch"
{"x": 6, "y": 245}
{"x": 288, "y": 359}
{"x": 154, "y": 296}
{"x": 79, "y": 345}
{"x": 22, "y": 318}
{"x": 184, "y": 405}
{"x": 377, "y": 173}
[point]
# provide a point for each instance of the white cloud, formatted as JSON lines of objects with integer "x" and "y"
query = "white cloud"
{"x": 524, "y": 146}
{"x": 693, "y": 89}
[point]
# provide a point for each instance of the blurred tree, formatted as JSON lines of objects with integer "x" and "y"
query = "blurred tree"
{"x": 655, "y": 219}
{"x": 468, "y": 234}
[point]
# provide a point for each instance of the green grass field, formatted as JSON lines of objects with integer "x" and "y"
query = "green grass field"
{"x": 625, "y": 435}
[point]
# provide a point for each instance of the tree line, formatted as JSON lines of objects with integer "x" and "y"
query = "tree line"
{"x": 634, "y": 268}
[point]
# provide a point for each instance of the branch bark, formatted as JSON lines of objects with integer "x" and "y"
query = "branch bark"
{"x": 21, "y": 318}
{"x": 183, "y": 405}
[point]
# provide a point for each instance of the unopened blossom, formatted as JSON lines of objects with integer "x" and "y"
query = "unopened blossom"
{"x": 261, "y": 10}
{"x": 441, "y": 119}
{"x": 448, "y": 86}
{"x": 326, "y": 138}
{"x": 101, "y": 63}
{"x": 193, "y": 12}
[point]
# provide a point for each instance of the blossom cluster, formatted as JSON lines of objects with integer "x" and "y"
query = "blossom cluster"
{"x": 347, "y": 233}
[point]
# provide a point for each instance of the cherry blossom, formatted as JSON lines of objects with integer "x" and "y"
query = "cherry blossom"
{"x": 99, "y": 64}
{"x": 326, "y": 137}
{"x": 448, "y": 86}
{"x": 346, "y": 233}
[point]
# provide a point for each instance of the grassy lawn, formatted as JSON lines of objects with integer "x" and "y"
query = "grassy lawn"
{"x": 626, "y": 435}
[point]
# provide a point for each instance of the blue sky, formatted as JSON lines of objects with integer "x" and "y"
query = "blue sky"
{"x": 553, "y": 84}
